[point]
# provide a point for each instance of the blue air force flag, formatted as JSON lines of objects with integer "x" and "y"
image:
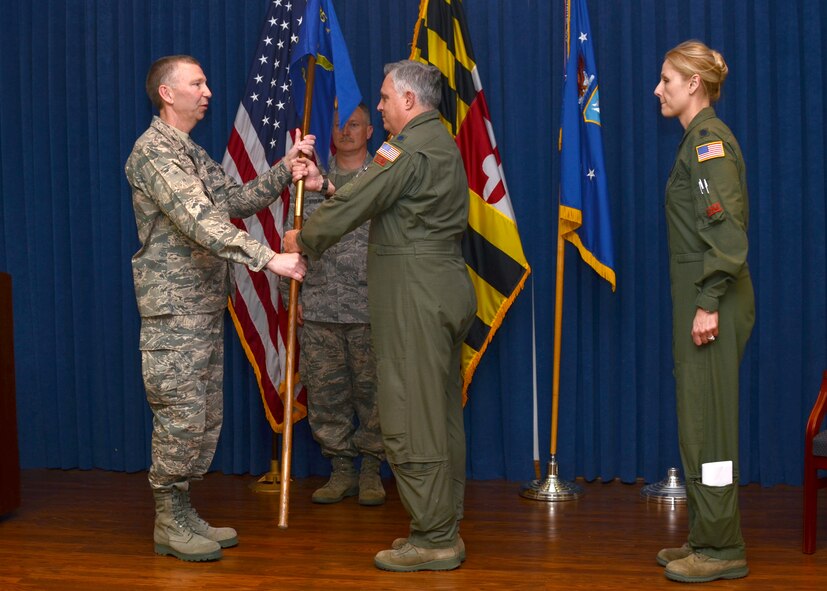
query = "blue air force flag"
{"x": 584, "y": 199}
{"x": 320, "y": 36}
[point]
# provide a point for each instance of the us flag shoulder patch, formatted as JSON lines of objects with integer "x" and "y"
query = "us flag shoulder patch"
{"x": 710, "y": 151}
{"x": 386, "y": 153}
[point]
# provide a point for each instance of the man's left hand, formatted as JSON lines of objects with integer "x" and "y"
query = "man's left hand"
{"x": 302, "y": 147}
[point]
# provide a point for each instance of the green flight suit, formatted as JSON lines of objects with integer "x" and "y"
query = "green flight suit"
{"x": 422, "y": 305}
{"x": 707, "y": 214}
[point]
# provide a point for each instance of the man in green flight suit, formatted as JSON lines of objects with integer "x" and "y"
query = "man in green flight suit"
{"x": 421, "y": 303}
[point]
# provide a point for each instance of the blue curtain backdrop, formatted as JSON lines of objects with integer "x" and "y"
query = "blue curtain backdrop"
{"x": 72, "y": 104}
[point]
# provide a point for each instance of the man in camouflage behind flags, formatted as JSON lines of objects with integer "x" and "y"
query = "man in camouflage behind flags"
{"x": 183, "y": 203}
{"x": 337, "y": 362}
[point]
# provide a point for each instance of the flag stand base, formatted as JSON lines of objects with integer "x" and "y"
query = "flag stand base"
{"x": 270, "y": 482}
{"x": 669, "y": 490}
{"x": 552, "y": 488}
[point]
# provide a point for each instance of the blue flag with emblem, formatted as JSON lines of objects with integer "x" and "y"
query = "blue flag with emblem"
{"x": 584, "y": 197}
{"x": 320, "y": 36}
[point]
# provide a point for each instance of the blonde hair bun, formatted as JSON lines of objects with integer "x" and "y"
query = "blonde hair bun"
{"x": 694, "y": 57}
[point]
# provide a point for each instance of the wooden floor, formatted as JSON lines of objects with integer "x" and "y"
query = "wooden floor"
{"x": 93, "y": 530}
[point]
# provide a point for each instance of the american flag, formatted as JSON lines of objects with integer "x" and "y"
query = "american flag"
{"x": 260, "y": 137}
{"x": 710, "y": 150}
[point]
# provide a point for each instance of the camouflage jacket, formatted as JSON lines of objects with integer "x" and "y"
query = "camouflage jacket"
{"x": 335, "y": 288}
{"x": 183, "y": 203}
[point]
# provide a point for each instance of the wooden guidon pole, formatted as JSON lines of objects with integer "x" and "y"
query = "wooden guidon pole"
{"x": 292, "y": 315}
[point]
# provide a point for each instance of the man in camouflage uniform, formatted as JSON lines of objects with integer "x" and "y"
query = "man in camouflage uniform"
{"x": 183, "y": 202}
{"x": 337, "y": 361}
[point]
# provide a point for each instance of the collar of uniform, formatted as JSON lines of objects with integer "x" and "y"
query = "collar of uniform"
{"x": 704, "y": 114}
{"x": 419, "y": 120}
{"x": 169, "y": 131}
{"x": 333, "y": 167}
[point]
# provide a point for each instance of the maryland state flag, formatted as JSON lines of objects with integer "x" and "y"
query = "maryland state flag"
{"x": 584, "y": 196}
{"x": 491, "y": 245}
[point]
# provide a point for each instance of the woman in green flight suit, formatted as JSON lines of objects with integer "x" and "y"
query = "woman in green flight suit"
{"x": 713, "y": 311}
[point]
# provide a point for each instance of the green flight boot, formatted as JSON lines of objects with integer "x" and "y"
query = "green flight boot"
{"x": 172, "y": 535}
{"x": 225, "y": 536}
{"x": 343, "y": 482}
{"x": 371, "y": 491}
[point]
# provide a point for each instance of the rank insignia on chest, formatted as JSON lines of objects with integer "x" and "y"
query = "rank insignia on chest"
{"x": 710, "y": 151}
{"x": 386, "y": 153}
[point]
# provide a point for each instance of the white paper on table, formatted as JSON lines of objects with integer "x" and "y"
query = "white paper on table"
{"x": 716, "y": 473}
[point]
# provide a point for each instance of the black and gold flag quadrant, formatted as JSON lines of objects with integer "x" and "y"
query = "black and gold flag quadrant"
{"x": 491, "y": 246}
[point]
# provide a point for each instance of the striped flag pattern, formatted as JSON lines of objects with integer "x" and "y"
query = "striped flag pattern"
{"x": 260, "y": 137}
{"x": 710, "y": 150}
{"x": 491, "y": 246}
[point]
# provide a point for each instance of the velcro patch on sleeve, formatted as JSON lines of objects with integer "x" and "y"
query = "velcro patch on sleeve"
{"x": 710, "y": 151}
{"x": 386, "y": 153}
{"x": 713, "y": 209}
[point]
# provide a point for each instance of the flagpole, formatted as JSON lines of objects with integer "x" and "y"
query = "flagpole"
{"x": 534, "y": 414}
{"x": 553, "y": 488}
{"x": 269, "y": 481}
{"x": 292, "y": 322}
{"x": 558, "y": 338}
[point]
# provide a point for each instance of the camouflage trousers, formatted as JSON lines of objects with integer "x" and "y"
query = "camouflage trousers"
{"x": 339, "y": 370}
{"x": 183, "y": 371}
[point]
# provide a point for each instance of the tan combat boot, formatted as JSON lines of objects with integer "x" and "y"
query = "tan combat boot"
{"x": 173, "y": 537}
{"x": 371, "y": 491}
{"x": 409, "y": 558}
{"x": 459, "y": 546}
{"x": 343, "y": 482}
{"x": 225, "y": 536}
{"x": 700, "y": 568}
{"x": 667, "y": 555}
